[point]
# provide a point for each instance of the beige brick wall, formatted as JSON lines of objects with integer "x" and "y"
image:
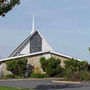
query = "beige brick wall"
{"x": 4, "y": 69}
{"x": 35, "y": 62}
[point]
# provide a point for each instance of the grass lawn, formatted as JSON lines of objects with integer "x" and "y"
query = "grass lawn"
{"x": 11, "y": 88}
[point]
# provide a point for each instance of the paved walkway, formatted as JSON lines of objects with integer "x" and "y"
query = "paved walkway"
{"x": 45, "y": 85}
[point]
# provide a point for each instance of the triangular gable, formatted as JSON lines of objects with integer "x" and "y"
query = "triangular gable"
{"x": 25, "y": 48}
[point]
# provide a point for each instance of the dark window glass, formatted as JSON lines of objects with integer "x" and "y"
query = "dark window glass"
{"x": 35, "y": 43}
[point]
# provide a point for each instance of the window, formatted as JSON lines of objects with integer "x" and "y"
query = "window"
{"x": 35, "y": 43}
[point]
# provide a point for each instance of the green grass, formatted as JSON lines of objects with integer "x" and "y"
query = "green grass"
{"x": 11, "y": 88}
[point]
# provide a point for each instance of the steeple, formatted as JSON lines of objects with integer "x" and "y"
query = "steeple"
{"x": 33, "y": 29}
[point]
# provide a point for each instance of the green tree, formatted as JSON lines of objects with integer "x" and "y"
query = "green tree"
{"x": 51, "y": 66}
{"x": 89, "y": 49}
{"x": 73, "y": 68}
{"x": 71, "y": 64}
{"x": 82, "y": 65}
{"x": 17, "y": 66}
{"x": 75, "y": 65}
{"x": 7, "y": 5}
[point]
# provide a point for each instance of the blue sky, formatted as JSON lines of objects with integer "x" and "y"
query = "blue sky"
{"x": 64, "y": 23}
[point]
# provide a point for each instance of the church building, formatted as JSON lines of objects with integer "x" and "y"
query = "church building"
{"x": 32, "y": 48}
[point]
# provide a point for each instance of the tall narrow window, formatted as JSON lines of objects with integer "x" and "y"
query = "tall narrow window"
{"x": 35, "y": 43}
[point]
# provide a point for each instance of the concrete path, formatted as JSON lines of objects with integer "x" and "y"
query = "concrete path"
{"x": 45, "y": 85}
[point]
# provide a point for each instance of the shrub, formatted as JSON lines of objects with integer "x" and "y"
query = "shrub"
{"x": 76, "y": 70}
{"x": 51, "y": 66}
{"x": 17, "y": 66}
{"x": 67, "y": 74}
{"x": 38, "y": 75}
{"x": 82, "y": 65}
{"x": 43, "y": 63}
{"x": 10, "y": 76}
{"x": 75, "y": 65}
{"x": 19, "y": 76}
{"x": 84, "y": 75}
{"x": 61, "y": 75}
{"x": 75, "y": 76}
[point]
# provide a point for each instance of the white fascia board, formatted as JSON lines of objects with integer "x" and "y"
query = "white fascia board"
{"x": 64, "y": 55}
{"x": 22, "y": 56}
{"x": 43, "y": 52}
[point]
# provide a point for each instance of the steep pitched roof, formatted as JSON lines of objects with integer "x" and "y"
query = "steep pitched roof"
{"x": 25, "y": 41}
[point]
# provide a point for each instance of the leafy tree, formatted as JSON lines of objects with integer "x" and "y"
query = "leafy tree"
{"x": 7, "y": 5}
{"x": 51, "y": 66}
{"x": 17, "y": 66}
{"x": 73, "y": 68}
{"x": 83, "y": 65}
{"x": 76, "y": 65}
{"x": 71, "y": 64}
{"x": 89, "y": 49}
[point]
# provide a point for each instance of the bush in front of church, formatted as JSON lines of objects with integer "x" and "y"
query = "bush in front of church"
{"x": 38, "y": 75}
{"x": 17, "y": 66}
{"x": 51, "y": 66}
{"x": 76, "y": 70}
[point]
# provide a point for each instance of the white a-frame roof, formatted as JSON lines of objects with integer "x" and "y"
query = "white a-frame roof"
{"x": 25, "y": 47}
{"x": 32, "y": 44}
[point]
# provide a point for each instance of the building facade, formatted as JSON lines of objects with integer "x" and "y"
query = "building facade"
{"x": 32, "y": 48}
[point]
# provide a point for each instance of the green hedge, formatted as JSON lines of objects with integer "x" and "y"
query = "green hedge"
{"x": 38, "y": 75}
